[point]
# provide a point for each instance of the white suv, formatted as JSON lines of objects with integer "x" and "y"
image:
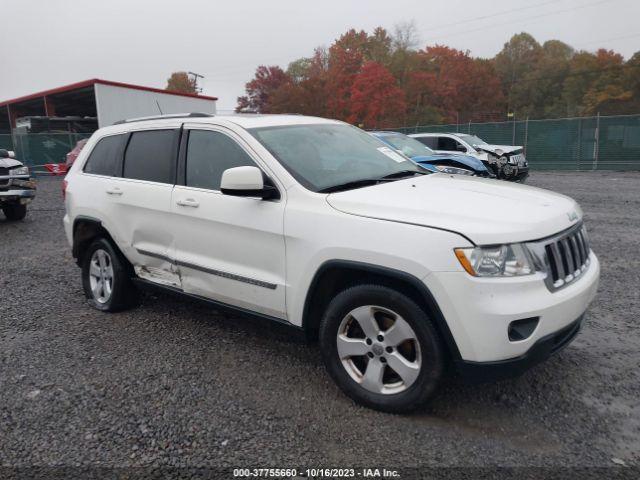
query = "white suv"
{"x": 314, "y": 224}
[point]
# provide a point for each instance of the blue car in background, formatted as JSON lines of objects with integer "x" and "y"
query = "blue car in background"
{"x": 454, "y": 163}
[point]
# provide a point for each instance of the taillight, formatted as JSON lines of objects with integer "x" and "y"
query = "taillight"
{"x": 64, "y": 189}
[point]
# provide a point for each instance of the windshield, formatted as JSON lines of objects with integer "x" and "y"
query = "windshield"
{"x": 472, "y": 140}
{"x": 407, "y": 145}
{"x": 322, "y": 156}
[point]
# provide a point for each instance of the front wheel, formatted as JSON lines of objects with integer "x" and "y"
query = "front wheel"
{"x": 15, "y": 211}
{"x": 381, "y": 349}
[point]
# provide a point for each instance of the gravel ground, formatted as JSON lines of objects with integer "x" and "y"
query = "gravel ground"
{"x": 172, "y": 383}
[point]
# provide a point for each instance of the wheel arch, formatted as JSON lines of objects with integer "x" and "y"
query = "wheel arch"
{"x": 85, "y": 230}
{"x": 334, "y": 276}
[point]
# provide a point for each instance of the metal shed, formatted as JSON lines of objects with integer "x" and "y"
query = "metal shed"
{"x": 104, "y": 100}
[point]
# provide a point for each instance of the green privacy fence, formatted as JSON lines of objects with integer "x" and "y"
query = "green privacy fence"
{"x": 40, "y": 148}
{"x": 585, "y": 143}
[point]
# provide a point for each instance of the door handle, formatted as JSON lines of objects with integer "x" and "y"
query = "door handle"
{"x": 114, "y": 191}
{"x": 188, "y": 202}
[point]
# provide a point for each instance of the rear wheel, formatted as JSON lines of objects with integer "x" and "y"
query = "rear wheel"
{"x": 15, "y": 211}
{"x": 381, "y": 348}
{"x": 106, "y": 278}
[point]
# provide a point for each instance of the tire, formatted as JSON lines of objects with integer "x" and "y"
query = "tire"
{"x": 15, "y": 211}
{"x": 106, "y": 278}
{"x": 385, "y": 389}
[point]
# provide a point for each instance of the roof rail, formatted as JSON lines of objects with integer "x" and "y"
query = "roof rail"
{"x": 161, "y": 117}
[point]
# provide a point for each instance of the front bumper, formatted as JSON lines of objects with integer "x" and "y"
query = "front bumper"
{"x": 479, "y": 311}
{"x": 16, "y": 194}
{"x": 17, "y": 189}
{"x": 480, "y": 372}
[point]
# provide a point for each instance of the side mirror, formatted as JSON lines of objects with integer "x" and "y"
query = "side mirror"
{"x": 247, "y": 182}
{"x": 461, "y": 148}
{"x": 6, "y": 154}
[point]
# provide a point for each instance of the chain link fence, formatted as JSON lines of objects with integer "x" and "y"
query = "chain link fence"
{"x": 35, "y": 149}
{"x": 585, "y": 143}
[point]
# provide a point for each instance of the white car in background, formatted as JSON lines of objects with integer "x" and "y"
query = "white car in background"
{"x": 507, "y": 162}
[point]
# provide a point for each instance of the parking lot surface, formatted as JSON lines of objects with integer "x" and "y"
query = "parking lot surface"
{"x": 174, "y": 383}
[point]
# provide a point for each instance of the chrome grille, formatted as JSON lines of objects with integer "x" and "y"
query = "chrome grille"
{"x": 565, "y": 256}
{"x": 519, "y": 160}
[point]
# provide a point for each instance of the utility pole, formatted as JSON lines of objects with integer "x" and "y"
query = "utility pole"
{"x": 196, "y": 76}
{"x": 596, "y": 143}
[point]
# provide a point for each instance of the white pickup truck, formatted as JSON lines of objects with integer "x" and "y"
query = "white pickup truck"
{"x": 17, "y": 188}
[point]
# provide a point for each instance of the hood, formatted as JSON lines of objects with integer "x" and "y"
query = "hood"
{"x": 468, "y": 160}
{"x": 504, "y": 148}
{"x": 9, "y": 163}
{"x": 485, "y": 211}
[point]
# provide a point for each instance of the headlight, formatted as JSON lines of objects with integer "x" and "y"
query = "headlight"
{"x": 511, "y": 260}
{"x": 19, "y": 171}
{"x": 453, "y": 170}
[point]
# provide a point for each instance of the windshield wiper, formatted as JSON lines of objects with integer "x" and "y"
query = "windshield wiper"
{"x": 371, "y": 181}
{"x": 402, "y": 174}
{"x": 350, "y": 185}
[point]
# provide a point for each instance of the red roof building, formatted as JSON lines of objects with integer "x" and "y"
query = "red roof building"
{"x": 102, "y": 99}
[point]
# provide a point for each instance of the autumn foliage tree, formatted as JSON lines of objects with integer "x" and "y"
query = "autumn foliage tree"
{"x": 180, "y": 82}
{"x": 382, "y": 80}
{"x": 266, "y": 82}
{"x": 375, "y": 99}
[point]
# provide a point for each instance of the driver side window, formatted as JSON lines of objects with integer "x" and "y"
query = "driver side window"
{"x": 208, "y": 155}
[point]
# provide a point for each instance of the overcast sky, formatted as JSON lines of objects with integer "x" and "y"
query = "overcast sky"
{"x": 50, "y": 43}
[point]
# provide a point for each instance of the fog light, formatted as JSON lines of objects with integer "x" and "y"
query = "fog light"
{"x": 522, "y": 329}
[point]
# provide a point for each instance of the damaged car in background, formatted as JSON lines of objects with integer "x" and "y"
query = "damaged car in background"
{"x": 17, "y": 188}
{"x": 450, "y": 162}
{"x": 507, "y": 162}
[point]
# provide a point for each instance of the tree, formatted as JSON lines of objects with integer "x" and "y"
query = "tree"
{"x": 378, "y": 48}
{"x": 546, "y": 79}
{"x": 512, "y": 63}
{"x": 599, "y": 83}
{"x": 453, "y": 83}
{"x": 376, "y": 101}
{"x": 405, "y": 36}
{"x": 180, "y": 82}
{"x": 306, "y": 92}
{"x": 442, "y": 84}
{"x": 298, "y": 70}
{"x": 608, "y": 92}
{"x": 346, "y": 57}
{"x": 259, "y": 90}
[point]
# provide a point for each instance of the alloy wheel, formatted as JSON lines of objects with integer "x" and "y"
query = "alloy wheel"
{"x": 101, "y": 276}
{"x": 379, "y": 349}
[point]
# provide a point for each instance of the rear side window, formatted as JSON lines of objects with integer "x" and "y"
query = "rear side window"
{"x": 105, "y": 156}
{"x": 208, "y": 155}
{"x": 431, "y": 142}
{"x": 150, "y": 156}
{"x": 446, "y": 143}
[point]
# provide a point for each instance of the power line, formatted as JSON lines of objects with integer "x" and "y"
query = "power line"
{"x": 497, "y": 14}
{"x": 633, "y": 35}
{"x": 484, "y": 28}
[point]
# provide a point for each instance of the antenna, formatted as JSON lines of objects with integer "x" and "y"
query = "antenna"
{"x": 196, "y": 76}
{"x": 159, "y": 109}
